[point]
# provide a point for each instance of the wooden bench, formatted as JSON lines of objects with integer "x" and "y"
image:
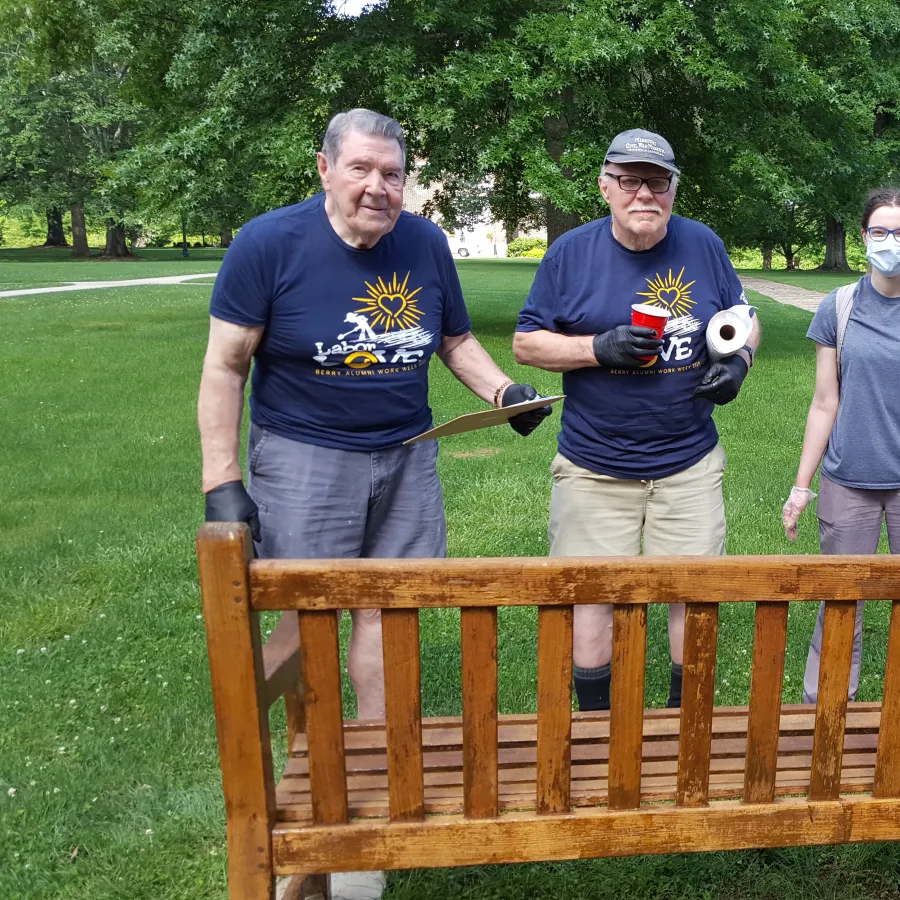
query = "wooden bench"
{"x": 487, "y": 788}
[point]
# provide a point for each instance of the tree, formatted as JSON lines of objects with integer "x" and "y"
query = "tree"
{"x": 131, "y": 112}
{"x": 539, "y": 89}
{"x": 42, "y": 151}
{"x": 56, "y": 235}
{"x": 232, "y": 116}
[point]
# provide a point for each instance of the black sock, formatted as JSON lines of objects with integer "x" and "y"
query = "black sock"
{"x": 592, "y": 687}
{"x": 674, "y": 701}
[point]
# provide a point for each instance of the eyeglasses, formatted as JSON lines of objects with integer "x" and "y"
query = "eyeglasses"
{"x": 877, "y": 233}
{"x": 631, "y": 184}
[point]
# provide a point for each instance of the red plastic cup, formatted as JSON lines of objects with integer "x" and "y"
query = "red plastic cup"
{"x": 650, "y": 317}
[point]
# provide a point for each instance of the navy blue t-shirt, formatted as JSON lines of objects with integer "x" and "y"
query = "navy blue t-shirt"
{"x": 343, "y": 360}
{"x": 635, "y": 423}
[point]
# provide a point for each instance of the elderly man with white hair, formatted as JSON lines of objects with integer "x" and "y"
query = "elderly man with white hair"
{"x": 639, "y": 467}
{"x": 341, "y": 300}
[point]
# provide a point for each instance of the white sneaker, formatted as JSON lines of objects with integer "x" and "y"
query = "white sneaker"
{"x": 357, "y": 885}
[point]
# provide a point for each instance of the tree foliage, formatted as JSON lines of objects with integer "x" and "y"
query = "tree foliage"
{"x": 782, "y": 114}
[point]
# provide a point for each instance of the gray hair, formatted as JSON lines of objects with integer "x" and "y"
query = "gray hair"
{"x": 363, "y": 121}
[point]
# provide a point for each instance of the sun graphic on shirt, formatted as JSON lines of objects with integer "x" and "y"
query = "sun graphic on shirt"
{"x": 391, "y": 305}
{"x": 670, "y": 293}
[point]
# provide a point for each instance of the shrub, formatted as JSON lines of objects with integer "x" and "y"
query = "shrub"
{"x": 520, "y": 246}
{"x": 533, "y": 253}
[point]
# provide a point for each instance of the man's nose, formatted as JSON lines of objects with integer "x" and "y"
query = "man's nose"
{"x": 375, "y": 184}
{"x": 644, "y": 193}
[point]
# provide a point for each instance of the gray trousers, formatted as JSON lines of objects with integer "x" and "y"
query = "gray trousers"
{"x": 321, "y": 503}
{"x": 849, "y": 522}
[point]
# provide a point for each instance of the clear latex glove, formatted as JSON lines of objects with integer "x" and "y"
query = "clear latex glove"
{"x": 790, "y": 513}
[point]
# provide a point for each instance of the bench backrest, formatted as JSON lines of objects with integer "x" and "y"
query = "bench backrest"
{"x": 236, "y": 590}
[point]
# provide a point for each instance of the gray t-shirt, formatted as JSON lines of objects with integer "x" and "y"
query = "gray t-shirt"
{"x": 864, "y": 447}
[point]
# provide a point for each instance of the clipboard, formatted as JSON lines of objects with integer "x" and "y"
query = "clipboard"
{"x": 486, "y": 419}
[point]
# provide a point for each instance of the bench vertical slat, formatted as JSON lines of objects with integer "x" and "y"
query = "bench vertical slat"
{"x": 697, "y": 695}
{"x": 479, "y": 688}
{"x": 554, "y": 716}
{"x": 321, "y": 665}
{"x": 887, "y": 762}
{"x": 626, "y": 716}
{"x": 234, "y": 645}
{"x": 403, "y": 713}
{"x": 769, "y": 643}
{"x": 831, "y": 708}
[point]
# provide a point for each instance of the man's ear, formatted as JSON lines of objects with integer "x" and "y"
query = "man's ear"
{"x": 604, "y": 187}
{"x": 324, "y": 170}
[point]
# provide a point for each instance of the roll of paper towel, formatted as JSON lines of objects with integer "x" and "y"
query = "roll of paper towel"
{"x": 728, "y": 331}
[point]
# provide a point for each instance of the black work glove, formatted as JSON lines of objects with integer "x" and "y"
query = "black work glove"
{"x": 723, "y": 380}
{"x": 525, "y": 422}
{"x": 229, "y": 502}
{"x": 622, "y": 347}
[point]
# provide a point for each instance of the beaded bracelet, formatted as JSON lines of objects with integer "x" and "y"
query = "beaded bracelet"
{"x": 500, "y": 390}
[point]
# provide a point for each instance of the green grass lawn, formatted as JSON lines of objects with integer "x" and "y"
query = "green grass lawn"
{"x": 106, "y": 727}
{"x": 40, "y": 267}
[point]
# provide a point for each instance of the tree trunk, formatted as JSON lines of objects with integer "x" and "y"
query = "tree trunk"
{"x": 80, "y": 249}
{"x": 115, "y": 241}
{"x": 788, "y": 251}
{"x": 767, "y": 257}
{"x": 559, "y": 222}
{"x": 556, "y": 130}
{"x": 835, "y": 246}
{"x": 227, "y": 236}
{"x": 56, "y": 235}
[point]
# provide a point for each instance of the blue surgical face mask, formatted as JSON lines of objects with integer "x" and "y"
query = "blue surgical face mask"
{"x": 884, "y": 256}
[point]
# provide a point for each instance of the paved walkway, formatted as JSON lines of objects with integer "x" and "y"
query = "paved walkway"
{"x": 96, "y": 285}
{"x": 785, "y": 293}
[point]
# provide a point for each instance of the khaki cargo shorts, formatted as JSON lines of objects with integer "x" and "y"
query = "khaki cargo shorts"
{"x": 598, "y": 515}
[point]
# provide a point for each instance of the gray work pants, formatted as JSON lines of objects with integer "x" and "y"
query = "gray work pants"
{"x": 849, "y": 522}
{"x": 317, "y": 502}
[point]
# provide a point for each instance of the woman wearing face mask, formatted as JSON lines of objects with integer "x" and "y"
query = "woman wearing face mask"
{"x": 854, "y": 418}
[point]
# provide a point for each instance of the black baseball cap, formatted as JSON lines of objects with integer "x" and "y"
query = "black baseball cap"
{"x": 638, "y": 145}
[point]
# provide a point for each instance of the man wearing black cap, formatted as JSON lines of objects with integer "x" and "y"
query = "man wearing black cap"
{"x": 639, "y": 467}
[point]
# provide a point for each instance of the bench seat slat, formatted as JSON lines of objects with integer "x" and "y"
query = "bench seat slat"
{"x": 659, "y": 724}
{"x": 587, "y": 793}
{"x": 298, "y": 786}
{"x": 597, "y": 752}
{"x": 367, "y": 774}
